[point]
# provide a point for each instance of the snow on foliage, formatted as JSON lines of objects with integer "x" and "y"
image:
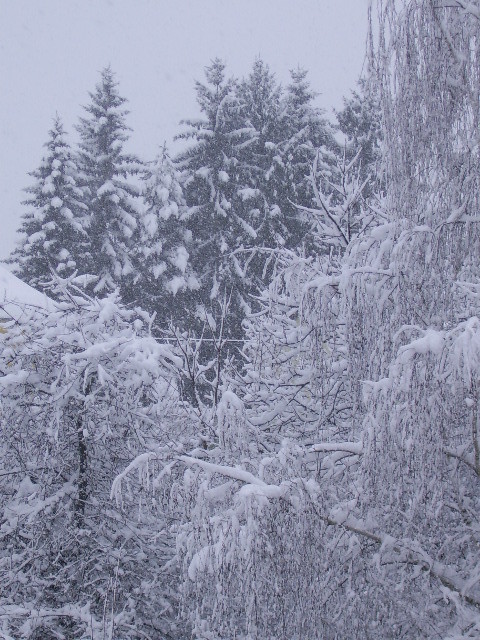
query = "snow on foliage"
{"x": 84, "y": 386}
{"x": 109, "y": 193}
{"x": 337, "y": 494}
{"x": 53, "y": 228}
{"x": 164, "y": 268}
{"x": 297, "y": 453}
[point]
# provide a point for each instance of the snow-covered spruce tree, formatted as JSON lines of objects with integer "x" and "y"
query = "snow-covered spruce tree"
{"x": 259, "y": 99}
{"x": 286, "y": 131}
{"x": 111, "y": 194}
{"x": 53, "y": 229}
{"x": 210, "y": 178}
{"x": 164, "y": 275}
{"x": 259, "y": 96}
{"x": 306, "y": 135}
{"x": 360, "y": 122}
{"x": 248, "y": 167}
{"x": 84, "y": 387}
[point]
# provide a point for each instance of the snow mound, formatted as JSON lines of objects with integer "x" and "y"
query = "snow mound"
{"x": 18, "y": 299}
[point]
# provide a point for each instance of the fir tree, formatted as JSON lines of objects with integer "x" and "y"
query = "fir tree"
{"x": 246, "y": 170}
{"x": 211, "y": 177}
{"x": 288, "y": 131}
{"x": 164, "y": 242}
{"x": 53, "y": 228}
{"x": 306, "y": 135}
{"x": 360, "y": 122}
{"x": 111, "y": 196}
{"x": 260, "y": 98}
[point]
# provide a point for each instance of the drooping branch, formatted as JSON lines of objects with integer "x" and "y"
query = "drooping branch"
{"x": 407, "y": 551}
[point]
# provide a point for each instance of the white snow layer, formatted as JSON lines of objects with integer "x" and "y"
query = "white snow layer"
{"x": 18, "y": 299}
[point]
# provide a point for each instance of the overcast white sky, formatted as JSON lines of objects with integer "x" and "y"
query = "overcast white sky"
{"x": 52, "y": 50}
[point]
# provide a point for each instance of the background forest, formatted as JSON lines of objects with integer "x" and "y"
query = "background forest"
{"x": 249, "y": 407}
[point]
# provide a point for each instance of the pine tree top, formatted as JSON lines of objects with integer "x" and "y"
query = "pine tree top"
{"x": 103, "y": 131}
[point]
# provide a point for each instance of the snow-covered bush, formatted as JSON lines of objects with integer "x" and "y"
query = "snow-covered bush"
{"x": 84, "y": 389}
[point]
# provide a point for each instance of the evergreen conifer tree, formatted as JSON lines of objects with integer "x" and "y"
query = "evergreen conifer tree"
{"x": 164, "y": 248}
{"x": 53, "y": 235}
{"x": 247, "y": 168}
{"x": 306, "y": 134}
{"x": 360, "y": 122}
{"x": 210, "y": 173}
{"x": 110, "y": 193}
{"x": 287, "y": 132}
{"x": 260, "y": 99}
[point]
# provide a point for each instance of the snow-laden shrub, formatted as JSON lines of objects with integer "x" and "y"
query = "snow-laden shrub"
{"x": 84, "y": 389}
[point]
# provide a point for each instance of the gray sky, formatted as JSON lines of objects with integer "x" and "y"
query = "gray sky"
{"x": 51, "y": 52}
